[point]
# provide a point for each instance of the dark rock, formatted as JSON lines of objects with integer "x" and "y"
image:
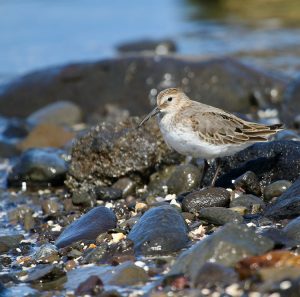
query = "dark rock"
{"x": 287, "y": 206}
{"x": 163, "y": 46}
{"x": 84, "y": 197}
{"x": 279, "y": 237}
{"x": 98, "y": 220}
{"x": 270, "y": 161}
{"x": 292, "y": 230}
{"x": 248, "y": 182}
{"x": 8, "y": 242}
{"x": 161, "y": 230}
{"x": 226, "y": 246}
{"x": 15, "y": 129}
{"x": 185, "y": 178}
{"x": 50, "y": 206}
{"x": 96, "y": 255}
{"x": 91, "y": 286}
{"x": 8, "y": 149}
{"x": 221, "y": 82}
{"x": 250, "y": 202}
{"x": 126, "y": 185}
{"x": 111, "y": 151}
{"x": 208, "y": 197}
{"x": 58, "y": 113}
{"x": 213, "y": 274}
{"x": 291, "y": 102}
{"x": 107, "y": 193}
{"x": 276, "y": 189}
{"x": 128, "y": 274}
{"x": 39, "y": 167}
{"x": 220, "y": 215}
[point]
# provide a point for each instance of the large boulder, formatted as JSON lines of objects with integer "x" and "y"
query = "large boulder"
{"x": 132, "y": 82}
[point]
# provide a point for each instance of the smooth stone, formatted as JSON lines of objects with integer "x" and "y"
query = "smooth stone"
{"x": 126, "y": 185}
{"x": 85, "y": 197}
{"x": 292, "y": 230}
{"x": 98, "y": 220}
{"x": 214, "y": 275}
{"x": 8, "y": 242}
{"x": 287, "y": 135}
{"x": 276, "y": 189}
{"x": 208, "y": 197}
{"x": 108, "y": 193}
{"x": 226, "y": 246}
{"x": 160, "y": 47}
{"x": 93, "y": 285}
{"x": 50, "y": 206}
{"x": 250, "y": 202}
{"x": 221, "y": 82}
{"x": 95, "y": 255}
{"x": 46, "y": 135}
{"x": 220, "y": 215}
{"x": 40, "y": 166}
{"x": 44, "y": 272}
{"x": 128, "y": 274}
{"x": 57, "y": 113}
{"x": 286, "y": 206}
{"x": 147, "y": 237}
{"x": 249, "y": 182}
{"x": 185, "y": 178}
{"x": 270, "y": 161}
{"x": 279, "y": 236}
{"x": 131, "y": 151}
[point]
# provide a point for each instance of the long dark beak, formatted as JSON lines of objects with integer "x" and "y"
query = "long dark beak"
{"x": 154, "y": 112}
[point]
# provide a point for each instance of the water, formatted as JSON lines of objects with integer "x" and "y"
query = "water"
{"x": 36, "y": 34}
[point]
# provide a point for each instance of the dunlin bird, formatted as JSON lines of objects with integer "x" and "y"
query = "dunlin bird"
{"x": 202, "y": 131}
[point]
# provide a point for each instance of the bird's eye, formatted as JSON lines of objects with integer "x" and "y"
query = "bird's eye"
{"x": 170, "y": 99}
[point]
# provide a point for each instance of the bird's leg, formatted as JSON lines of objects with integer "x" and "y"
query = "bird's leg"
{"x": 205, "y": 168}
{"x": 218, "y": 163}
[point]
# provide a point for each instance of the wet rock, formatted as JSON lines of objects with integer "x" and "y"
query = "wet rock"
{"x": 287, "y": 206}
{"x": 107, "y": 193}
{"x": 57, "y": 113}
{"x": 213, "y": 274}
{"x": 291, "y": 106}
{"x": 279, "y": 237}
{"x": 91, "y": 286}
{"x": 8, "y": 242}
{"x": 147, "y": 237}
{"x": 15, "y": 129}
{"x": 50, "y": 206}
{"x": 292, "y": 230}
{"x": 46, "y": 253}
{"x": 189, "y": 177}
{"x": 84, "y": 197}
{"x": 270, "y": 161}
{"x": 221, "y": 82}
{"x": 126, "y": 185}
{"x": 39, "y": 167}
{"x": 111, "y": 151}
{"x": 226, "y": 246}
{"x": 44, "y": 272}
{"x": 250, "y": 202}
{"x": 276, "y": 189}
{"x": 160, "y": 47}
{"x": 248, "y": 182}
{"x": 220, "y": 215}
{"x": 208, "y": 197}
{"x": 96, "y": 255}
{"x": 98, "y": 220}
{"x": 128, "y": 274}
{"x": 8, "y": 149}
{"x": 46, "y": 135}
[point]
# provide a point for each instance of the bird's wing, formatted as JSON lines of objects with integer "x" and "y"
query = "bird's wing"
{"x": 220, "y": 128}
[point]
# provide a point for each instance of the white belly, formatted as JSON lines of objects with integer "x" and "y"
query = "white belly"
{"x": 189, "y": 143}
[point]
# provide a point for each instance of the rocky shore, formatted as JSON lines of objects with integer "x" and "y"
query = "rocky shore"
{"x": 91, "y": 205}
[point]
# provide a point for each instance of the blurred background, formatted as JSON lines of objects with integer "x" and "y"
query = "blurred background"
{"x": 41, "y": 33}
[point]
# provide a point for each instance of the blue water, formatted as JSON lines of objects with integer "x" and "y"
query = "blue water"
{"x": 40, "y": 33}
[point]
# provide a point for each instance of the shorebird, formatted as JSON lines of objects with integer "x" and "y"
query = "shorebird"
{"x": 202, "y": 131}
